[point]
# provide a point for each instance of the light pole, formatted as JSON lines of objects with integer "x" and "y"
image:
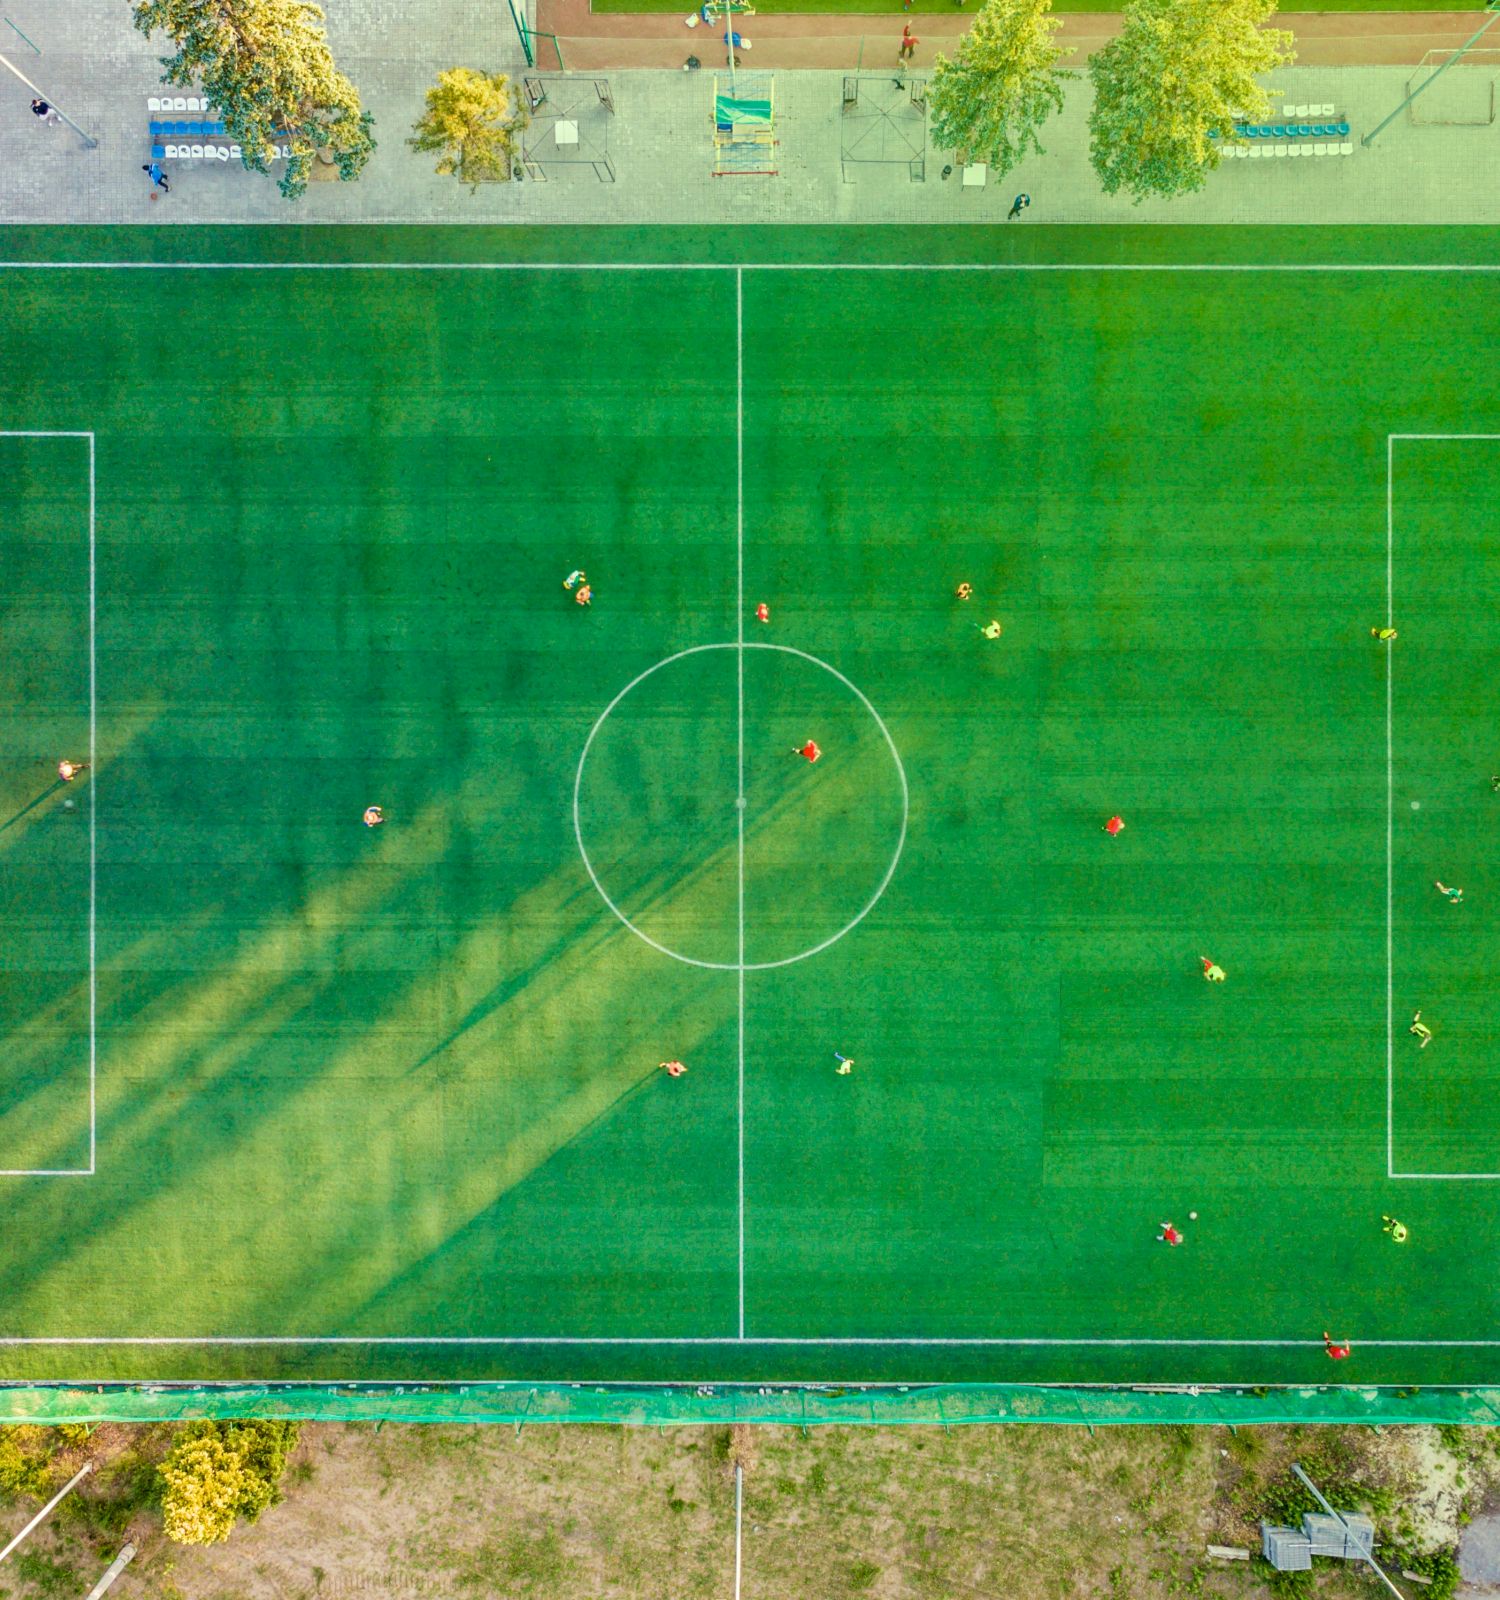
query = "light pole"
{"x": 90, "y": 142}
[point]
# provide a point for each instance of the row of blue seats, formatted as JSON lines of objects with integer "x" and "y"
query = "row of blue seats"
{"x": 1292, "y": 130}
{"x": 186, "y": 130}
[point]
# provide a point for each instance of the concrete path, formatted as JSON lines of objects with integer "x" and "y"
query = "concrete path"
{"x": 659, "y": 141}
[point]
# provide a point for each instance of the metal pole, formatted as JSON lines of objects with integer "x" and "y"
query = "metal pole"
{"x": 116, "y": 1567}
{"x": 739, "y": 1523}
{"x": 1452, "y": 60}
{"x": 9, "y": 24}
{"x": 92, "y": 144}
{"x": 1317, "y": 1495}
{"x": 82, "y": 1472}
{"x": 521, "y": 33}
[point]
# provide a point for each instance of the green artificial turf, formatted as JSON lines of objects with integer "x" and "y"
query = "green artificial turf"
{"x": 403, "y": 1085}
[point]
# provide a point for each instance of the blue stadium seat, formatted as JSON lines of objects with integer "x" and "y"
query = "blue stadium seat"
{"x": 1343, "y": 130}
{"x": 158, "y": 153}
{"x": 1304, "y": 132}
{"x": 1276, "y": 131}
{"x": 180, "y": 129}
{"x": 195, "y": 129}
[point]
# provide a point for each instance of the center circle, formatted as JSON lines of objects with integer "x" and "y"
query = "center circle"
{"x": 709, "y": 836}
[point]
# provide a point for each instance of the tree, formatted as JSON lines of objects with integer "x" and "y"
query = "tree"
{"x": 1179, "y": 71}
{"x": 472, "y": 124}
{"x": 1002, "y": 85}
{"x": 266, "y": 65}
{"x": 218, "y": 1472}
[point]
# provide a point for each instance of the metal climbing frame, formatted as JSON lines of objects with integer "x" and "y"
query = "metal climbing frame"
{"x": 569, "y": 126}
{"x": 884, "y": 122}
{"x": 744, "y": 114}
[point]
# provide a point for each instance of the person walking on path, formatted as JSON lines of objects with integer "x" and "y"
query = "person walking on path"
{"x": 909, "y": 43}
{"x": 1422, "y": 1031}
{"x": 158, "y": 178}
{"x": 44, "y": 113}
{"x": 1017, "y": 206}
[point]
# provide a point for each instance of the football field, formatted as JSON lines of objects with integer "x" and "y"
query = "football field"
{"x": 286, "y": 1096}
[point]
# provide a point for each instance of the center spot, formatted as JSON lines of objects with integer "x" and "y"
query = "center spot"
{"x": 660, "y": 808}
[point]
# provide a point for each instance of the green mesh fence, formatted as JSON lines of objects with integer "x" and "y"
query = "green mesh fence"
{"x": 667, "y": 1406}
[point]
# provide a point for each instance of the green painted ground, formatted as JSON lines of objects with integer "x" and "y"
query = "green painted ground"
{"x": 402, "y": 1084}
{"x": 870, "y": 7}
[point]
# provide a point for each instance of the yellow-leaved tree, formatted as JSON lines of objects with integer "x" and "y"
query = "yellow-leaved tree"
{"x": 471, "y": 123}
{"x": 218, "y": 1472}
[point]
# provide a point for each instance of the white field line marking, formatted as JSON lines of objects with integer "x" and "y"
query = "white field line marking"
{"x": 739, "y": 1526}
{"x": 483, "y": 1341}
{"x": 88, "y": 1171}
{"x": 812, "y": 950}
{"x": 1390, "y": 819}
{"x": 740, "y": 799}
{"x": 1486, "y": 268}
{"x": 1390, "y": 965}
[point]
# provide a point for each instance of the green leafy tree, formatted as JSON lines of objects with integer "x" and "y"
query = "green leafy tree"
{"x": 471, "y": 123}
{"x": 218, "y": 1472}
{"x": 989, "y": 102}
{"x": 266, "y": 65}
{"x": 1177, "y": 73}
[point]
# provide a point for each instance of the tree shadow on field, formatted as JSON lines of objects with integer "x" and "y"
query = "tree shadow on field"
{"x": 239, "y": 1192}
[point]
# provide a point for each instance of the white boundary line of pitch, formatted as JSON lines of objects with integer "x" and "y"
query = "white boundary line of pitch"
{"x": 1390, "y": 805}
{"x": 88, "y": 1171}
{"x": 481, "y": 1341}
{"x": 742, "y": 267}
{"x": 739, "y": 800}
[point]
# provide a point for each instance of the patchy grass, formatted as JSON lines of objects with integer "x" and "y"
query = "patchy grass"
{"x": 595, "y": 1513}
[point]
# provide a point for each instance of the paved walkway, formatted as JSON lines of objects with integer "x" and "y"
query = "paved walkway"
{"x": 99, "y": 70}
{"x": 591, "y": 40}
